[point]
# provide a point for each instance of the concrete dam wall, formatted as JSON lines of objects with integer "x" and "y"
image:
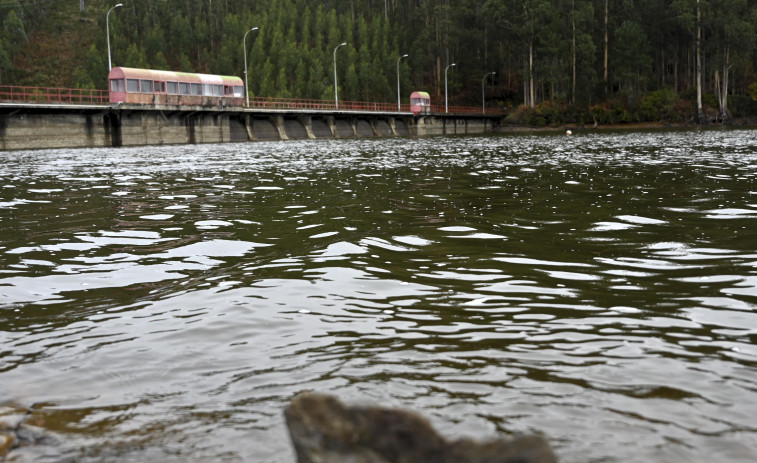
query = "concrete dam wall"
{"x": 24, "y": 126}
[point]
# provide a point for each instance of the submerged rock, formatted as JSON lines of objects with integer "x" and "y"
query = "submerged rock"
{"x": 6, "y": 442}
{"x": 323, "y": 430}
{"x": 18, "y": 435}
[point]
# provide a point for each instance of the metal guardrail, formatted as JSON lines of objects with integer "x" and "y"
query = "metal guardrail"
{"x": 48, "y": 95}
{"x": 14, "y": 93}
{"x": 330, "y": 105}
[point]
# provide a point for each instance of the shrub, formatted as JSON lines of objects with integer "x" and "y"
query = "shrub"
{"x": 742, "y": 106}
{"x": 521, "y": 115}
{"x": 658, "y": 105}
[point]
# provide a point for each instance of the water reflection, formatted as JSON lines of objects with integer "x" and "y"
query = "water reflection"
{"x": 599, "y": 288}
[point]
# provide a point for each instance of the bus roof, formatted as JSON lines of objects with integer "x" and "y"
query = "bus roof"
{"x": 132, "y": 73}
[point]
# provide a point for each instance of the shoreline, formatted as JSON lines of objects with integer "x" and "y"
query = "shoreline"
{"x": 736, "y": 123}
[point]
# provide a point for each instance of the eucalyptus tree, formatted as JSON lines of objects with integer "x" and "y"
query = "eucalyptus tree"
{"x": 582, "y": 48}
{"x": 13, "y": 38}
{"x": 733, "y": 39}
{"x": 690, "y": 17}
{"x": 631, "y": 53}
{"x": 523, "y": 18}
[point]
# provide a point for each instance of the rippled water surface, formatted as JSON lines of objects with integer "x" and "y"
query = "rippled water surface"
{"x": 165, "y": 303}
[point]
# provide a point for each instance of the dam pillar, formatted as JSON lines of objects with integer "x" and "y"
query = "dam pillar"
{"x": 392, "y": 126}
{"x": 330, "y": 120}
{"x": 112, "y": 123}
{"x": 278, "y": 122}
{"x": 307, "y": 123}
{"x": 248, "y": 128}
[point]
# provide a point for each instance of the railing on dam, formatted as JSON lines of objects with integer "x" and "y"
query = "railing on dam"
{"x": 48, "y": 95}
{"x": 42, "y": 95}
{"x": 330, "y": 105}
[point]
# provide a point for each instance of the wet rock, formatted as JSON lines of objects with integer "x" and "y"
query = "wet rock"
{"x": 6, "y": 442}
{"x": 323, "y": 430}
{"x": 18, "y": 436}
{"x": 11, "y": 418}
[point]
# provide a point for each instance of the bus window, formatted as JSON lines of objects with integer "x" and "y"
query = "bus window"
{"x": 132, "y": 85}
{"x": 145, "y": 86}
{"x": 116, "y": 85}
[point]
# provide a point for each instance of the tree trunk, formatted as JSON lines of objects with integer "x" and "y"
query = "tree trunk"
{"x": 700, "y": 109}
{"x": 531, "y": 73}
{"x": 573, "y": 24}
{"x": 438, "y": 75}
{"x": 717, "y": 92}
{"x": 606, "y": 74}
{"x": 525, "y": 85}
{"x": 724, "y": 116}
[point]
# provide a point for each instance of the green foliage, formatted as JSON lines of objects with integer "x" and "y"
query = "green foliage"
{"x": 12, "y": 39}
{"x": 550, "y": 113}
{"x": 710, "y": 99}
{"x": 159, "y": 61}
{"x": 660, "y": 105}
{"x": 82, "y": 79}
{"x": 184, "y": 64}
{"x": 560, "y": 43}
{"x": 91, "y": 74}
{"x": 753, "y": 90}
{"x": 135, "y": 57}
{"x": 614, "y": 111}
{"x": 743, "y": 106}
{"x": 631, "y": 52}
{"x": 13, "y": 28}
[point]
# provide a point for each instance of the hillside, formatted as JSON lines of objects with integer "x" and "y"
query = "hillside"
{"x": 559, "y": 61}
{"x": 57, "y": 45}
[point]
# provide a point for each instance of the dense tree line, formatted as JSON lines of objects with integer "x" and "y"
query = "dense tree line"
{"x": 555, "y": 60}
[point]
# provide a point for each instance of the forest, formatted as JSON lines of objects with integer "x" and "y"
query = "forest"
{"x": 544, "y": 62}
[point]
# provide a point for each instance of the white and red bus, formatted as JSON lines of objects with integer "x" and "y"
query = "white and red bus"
{"x": 148, "y": 86}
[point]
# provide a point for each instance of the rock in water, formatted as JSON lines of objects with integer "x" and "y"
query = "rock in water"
{"x": 323, "y": 430}
{"x": 20, "y": 440}
{"x": 6, "y": 441}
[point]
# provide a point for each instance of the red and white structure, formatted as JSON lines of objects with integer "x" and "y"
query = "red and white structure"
{"x": 147, "y": 86}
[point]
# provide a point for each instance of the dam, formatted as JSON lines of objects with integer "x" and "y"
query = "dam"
{"x": 30, "y": 125}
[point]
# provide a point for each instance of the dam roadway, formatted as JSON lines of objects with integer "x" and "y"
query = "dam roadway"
{"x": 31, "y": 125}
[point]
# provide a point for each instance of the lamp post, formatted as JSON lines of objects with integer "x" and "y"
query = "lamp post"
{"x": 398, "y": 81}
{"x": 336, "y": 86}
{"x": 246, "y": 89}
{"x": 446, "y": 107}
{"x": 107, "y": 31}
{"x": 483, "y": 94}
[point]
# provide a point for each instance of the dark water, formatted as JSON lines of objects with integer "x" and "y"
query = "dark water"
{"x": 164, "y": 303}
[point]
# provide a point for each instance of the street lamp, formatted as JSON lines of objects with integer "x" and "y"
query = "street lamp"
{"x": 398, "y": 81}
{"x": 246, "y": 88}
{"x": 446, "y": 107}
{"x": 336, "y": 91}
{"x": 483, "y": 94}
{"x": 107, "y": 31}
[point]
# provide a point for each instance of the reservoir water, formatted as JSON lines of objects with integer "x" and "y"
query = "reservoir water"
{"x": 165, "y": 303}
